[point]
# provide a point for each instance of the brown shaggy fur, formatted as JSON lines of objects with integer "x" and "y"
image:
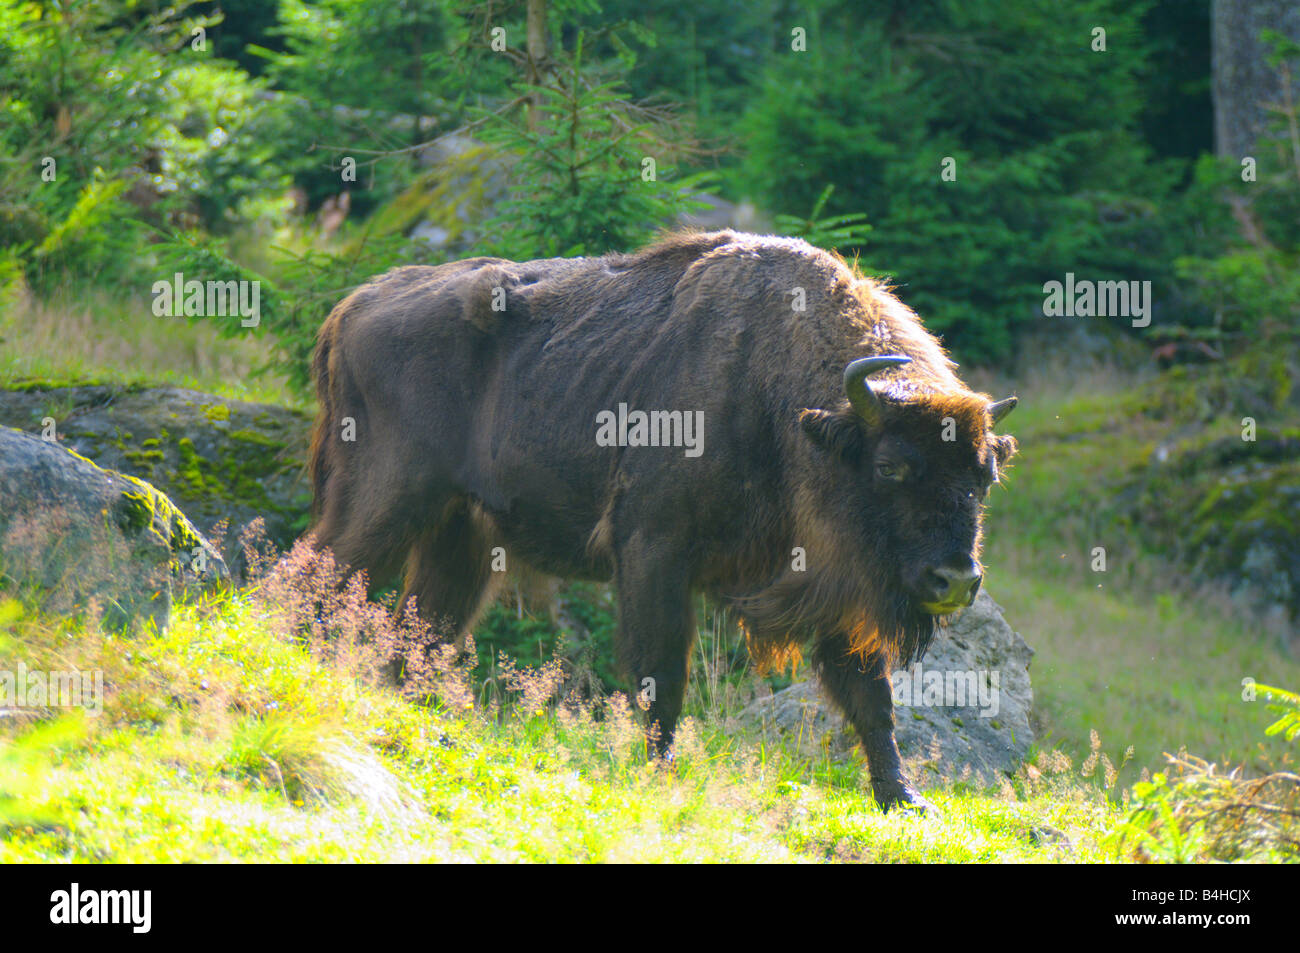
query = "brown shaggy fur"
{"x": 474, "y": 389}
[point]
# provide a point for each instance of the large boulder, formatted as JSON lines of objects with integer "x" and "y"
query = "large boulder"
{"x": 962, "y": 711}
{"x": 86, "y": 538}
{"x": 222, "y": 460}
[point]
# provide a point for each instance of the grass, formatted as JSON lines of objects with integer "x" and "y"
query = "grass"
{"x": 1155, "y": 672}
{"x": 224, "y": 740}
{"x": 82, "y": 336}
{"x": 258, "y": 727}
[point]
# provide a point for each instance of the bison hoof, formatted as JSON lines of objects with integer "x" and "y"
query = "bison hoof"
{"x": 902, "y": 796}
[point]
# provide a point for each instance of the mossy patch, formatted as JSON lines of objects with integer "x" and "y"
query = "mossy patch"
{"x": 147, "y": 510}
{"x": 238, "y": 476}
{"x": 1165, "y": 471}
{"x": 258, "y": 439}
{"x": 27, "y": 385}
{"x": 192, "y": 467}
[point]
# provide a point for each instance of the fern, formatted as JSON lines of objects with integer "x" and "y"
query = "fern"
{"x": 93, "y": 206}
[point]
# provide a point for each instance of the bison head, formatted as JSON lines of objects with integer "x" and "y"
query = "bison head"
{"x": 910, "y": 469}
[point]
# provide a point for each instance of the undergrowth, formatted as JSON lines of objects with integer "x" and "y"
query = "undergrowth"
{"x": 271, "y": 723}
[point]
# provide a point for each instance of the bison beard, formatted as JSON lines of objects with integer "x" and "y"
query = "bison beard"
{"x": 795, "y": 610}
{"x": 470, "y": 393}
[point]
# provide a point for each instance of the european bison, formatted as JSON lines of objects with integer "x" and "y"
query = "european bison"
{"x": 741, "y": 415}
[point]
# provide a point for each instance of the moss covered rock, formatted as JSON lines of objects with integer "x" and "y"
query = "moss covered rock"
{"x": 1191, "y": 474}
{"x": 222, "y": 460}
{"x": 1229, "y": 509}
{"x": 88, "y": 539}
{"x": 461, "y": 184}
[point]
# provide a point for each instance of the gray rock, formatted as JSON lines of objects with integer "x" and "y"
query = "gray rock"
{"x": 962, "y": 711}
{"x": 86, "y": 538}
{"x": 717, "y": 213}
{"x": 478, "y": 188}
{"x": 221, "y": 460}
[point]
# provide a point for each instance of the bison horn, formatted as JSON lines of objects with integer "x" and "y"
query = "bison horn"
{"x": 1003, "y": 407}
{"x": 861, "y": 396}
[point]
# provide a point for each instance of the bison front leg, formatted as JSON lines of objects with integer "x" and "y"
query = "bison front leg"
{"x": 862, "y": 692}
{"x": 655, "y": 632}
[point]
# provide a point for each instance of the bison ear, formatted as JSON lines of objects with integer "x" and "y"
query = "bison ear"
{"x": 1004, "y": 448}
{"x": 837, "y": 433}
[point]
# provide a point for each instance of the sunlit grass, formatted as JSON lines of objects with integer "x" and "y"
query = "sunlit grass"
{"x": 221, "y": 740}
{"x": 80, "y": 335}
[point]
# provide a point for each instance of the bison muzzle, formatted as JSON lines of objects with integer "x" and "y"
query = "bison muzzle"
{"x": 831, "y": 497}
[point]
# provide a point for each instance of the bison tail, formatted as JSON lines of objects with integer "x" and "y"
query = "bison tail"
{"x": 318, "y": 456}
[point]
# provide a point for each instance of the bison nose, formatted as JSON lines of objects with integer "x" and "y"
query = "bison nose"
{"x": 955, "y": 587}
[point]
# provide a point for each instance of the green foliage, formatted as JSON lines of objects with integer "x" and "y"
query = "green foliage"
{"x": 1287, "y": 704}
{"x": 77, "y": 242}
{"x": 333, "y": 56}
{"x": 366, "y": 80}
{"x": 1051, "y": 174}
{"x": 844, "y": 233}
{"x": 701, "y": 55}
{"x": 108, "y": 115}
{"x": 1194, "y": 813}
{"x": 1152, "y": 827}
{"x": 585, "y": 159}
{"x": 243, "y": 24}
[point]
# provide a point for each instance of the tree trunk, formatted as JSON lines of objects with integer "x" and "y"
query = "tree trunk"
{"x": 537, "y": 53}
{"x": 1244, "y": 83}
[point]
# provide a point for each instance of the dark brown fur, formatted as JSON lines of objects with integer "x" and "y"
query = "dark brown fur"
{"x": 476, "y": 427}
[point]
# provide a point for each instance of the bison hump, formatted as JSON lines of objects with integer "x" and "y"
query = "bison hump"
{"x": 490, "y": 295}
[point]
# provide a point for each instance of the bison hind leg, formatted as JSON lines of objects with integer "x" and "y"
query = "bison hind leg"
{"x": 654, "y": 637}
{"x": 449, "y": 572}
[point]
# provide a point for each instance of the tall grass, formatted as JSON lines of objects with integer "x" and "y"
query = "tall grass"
{"x": 264, "y": 725}
{"x": 82, "y": 334}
